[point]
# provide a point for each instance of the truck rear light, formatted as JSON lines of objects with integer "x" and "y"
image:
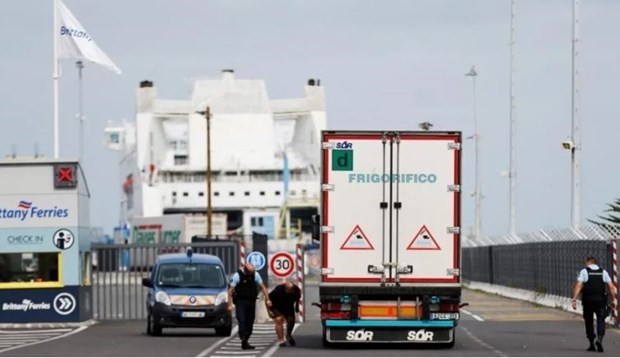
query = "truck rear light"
{"x": 449, "y": 307}
{"x": 335, "y": 306}
{"x": 335, "y": 315}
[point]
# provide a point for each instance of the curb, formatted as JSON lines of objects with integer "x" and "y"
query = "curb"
{"x": 47, "y": 325}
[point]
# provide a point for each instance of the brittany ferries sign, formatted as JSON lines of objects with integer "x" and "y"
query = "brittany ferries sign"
{"x": 28, "y": 212}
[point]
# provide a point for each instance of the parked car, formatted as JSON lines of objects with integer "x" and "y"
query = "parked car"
{"x": 187, "y": 290}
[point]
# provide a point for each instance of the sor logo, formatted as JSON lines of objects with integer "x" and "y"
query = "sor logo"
{"x": 360, "y": 335}
{"x": 420, "y": 336}
{"x": 344, "y": 145}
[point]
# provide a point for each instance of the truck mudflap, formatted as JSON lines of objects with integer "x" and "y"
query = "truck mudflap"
{"x": 389, "y": 331}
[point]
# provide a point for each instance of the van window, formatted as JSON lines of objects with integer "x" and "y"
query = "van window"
{"x": 191, "y": 275}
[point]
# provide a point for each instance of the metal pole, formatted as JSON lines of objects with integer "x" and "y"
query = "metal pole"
{"x": 513, "y": 127}
{"x": 55, "y": 77}
{"x": 209, "y": 208}
{"x": 576, "y": 126}
{"x": 80, "y": 66}
{"x": 478, "y": 191}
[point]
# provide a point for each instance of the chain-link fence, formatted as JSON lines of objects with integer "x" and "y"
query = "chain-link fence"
{"x": 592, "y": 232}
{"x": 546, "y": 262}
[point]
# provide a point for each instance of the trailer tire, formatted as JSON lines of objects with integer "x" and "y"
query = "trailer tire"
{"x": 326, "y": 344}
{"x": 452, "y": 343}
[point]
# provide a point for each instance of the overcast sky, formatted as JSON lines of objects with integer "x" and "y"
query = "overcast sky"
{"x": 384, "y": 65}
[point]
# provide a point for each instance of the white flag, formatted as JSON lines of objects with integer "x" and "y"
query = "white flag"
{"x": 75, "y": 42}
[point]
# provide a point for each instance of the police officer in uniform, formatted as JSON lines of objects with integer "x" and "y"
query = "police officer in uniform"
{"x": 591, "y": 284}
{"x": 243, "y": 292}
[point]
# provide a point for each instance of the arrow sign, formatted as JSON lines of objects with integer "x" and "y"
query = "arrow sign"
{"x": 64, "y": 303}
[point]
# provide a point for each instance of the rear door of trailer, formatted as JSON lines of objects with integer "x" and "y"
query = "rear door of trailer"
{"x": 391, "y": 199}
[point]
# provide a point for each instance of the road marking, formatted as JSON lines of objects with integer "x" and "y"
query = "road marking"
{"x": 262, "y": 338}
{"x": 208, "y": 351}
{"x": 486, "y": 345}
{"x": 475, "y": 316}
{"x": 67, "y": 334}
{"x": 276, "y": 345}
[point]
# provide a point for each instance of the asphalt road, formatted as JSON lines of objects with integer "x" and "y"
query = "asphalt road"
{"x": 494, "y": 326}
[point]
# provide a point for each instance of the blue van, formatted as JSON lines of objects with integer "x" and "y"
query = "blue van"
{"x": 187, "y": 290}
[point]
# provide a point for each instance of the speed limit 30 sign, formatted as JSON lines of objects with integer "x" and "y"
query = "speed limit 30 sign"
{"x": 282, "y": 264}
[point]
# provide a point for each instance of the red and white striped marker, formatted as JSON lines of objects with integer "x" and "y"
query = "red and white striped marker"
{"x": 242, "y": 252}
{"x": 300, "y": 280}
{"x": 614, "y": 275}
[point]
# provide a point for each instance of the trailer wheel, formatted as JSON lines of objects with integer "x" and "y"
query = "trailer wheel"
{"x": 326, "y": 344}
{"x": 451, "y": 344}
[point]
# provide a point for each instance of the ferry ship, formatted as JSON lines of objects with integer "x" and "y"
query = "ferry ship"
{"x": 264, "y": 155}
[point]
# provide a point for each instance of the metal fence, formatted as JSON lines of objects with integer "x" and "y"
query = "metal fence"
{"x": 590, "y": 232}
{"x": 543, "y": 267}
{"x": 118, "y": 271}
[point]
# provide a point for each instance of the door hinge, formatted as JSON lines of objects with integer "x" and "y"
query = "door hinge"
{"x": 454, "y": 188}
{"x": 327, "y": 187}
{"x": 327, "y": 271}
{"x": 327, "y": 145}
{"x": 454, "y": 272}
{"x": 454, "y": 230}
{"x": 327, "y": 229}
{"x": 454, "y": 146}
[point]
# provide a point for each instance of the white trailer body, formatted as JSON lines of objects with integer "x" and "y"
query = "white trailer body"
{"x": 390, "y": 236}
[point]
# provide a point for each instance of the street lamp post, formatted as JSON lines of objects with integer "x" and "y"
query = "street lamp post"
{"x": 512, "y": 176}
{"x": 576, "y": 126}
{"x": 478, "y": 190}
{"x": 207, "y": 114}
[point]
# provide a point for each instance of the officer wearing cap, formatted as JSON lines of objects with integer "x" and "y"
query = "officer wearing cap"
{"x": 591, "y": 284}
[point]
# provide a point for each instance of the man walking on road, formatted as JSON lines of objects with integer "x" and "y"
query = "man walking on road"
{"x": 591, "y": 284}
{"x": 285, "y": 298}
{"x": 243, "y": 292}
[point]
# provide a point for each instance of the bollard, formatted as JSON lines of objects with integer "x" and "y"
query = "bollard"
{"x": 300, "y": 280}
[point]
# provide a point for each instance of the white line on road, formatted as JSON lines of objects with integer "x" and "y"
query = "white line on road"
{"x": 78, "y": 330}
{"x": 485, "y": 345}
{"x": 238, "y": 352}
{"x": 276, "y": 345}
{"x": 475, "y": 316}
{"x": 208, "y": 351}
{"x": 33, "y": 331}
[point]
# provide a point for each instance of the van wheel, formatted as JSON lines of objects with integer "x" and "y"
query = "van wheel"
{"x": 152, "y": 328}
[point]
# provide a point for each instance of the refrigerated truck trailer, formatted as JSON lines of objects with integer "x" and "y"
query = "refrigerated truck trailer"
{"x": 389, "y": 231}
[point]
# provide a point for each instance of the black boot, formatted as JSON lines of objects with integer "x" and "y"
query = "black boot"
{"x": 246, "y": 346}
{"x": 599, "y": 347}
{"x": 591, "y": 348}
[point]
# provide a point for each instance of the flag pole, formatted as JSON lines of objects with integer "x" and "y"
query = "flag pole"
{"x": 80, "y": 66}
{"x": 55, "y": 77}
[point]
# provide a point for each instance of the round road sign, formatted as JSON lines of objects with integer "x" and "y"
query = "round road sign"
{"x": 257, "y": 259}
{"x": 282, "y": 264}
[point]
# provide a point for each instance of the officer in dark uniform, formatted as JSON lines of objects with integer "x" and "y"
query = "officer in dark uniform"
{"x": 591, "y": 284}
{"x": 243, "y": 293}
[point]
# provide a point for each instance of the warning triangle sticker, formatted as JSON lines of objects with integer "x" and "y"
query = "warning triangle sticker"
{"x": 357, "y": 240}
{"x": 423, "y": 240}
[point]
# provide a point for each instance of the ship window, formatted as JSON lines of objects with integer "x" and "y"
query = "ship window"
{"x": 293, "y": 192}
{"x": 262, "y": 193}
{"x": 180, "y": 159}
{"x": 247, "y": 193}
{"x": 253, "y": 221}
{"x": 260, "y": 221}
{"x": 217, "y": 193}
{"x": 232, "y": 193}
{"x": 277, "y": 193}
{"x": 185, "y": 194}
{"x": 201, "y": 193}
{"x": 174, "y": 193}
